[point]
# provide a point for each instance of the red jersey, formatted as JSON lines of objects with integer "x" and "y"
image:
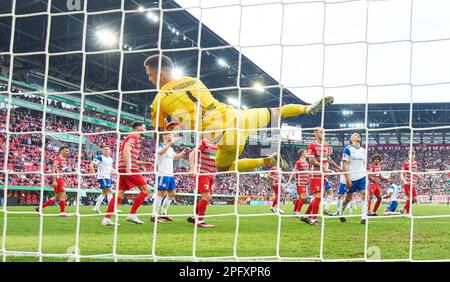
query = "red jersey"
{"x": 274, "y": 175}
{"x": 60, "y": 166}
{"x": 318, "y": 152}
{"x": 413, "y": 169}
{"x": 133, "y": 141}
{"x": 375, "y": 168}
{"x": 302, "y": 178}
{"x": 207, "y": 158}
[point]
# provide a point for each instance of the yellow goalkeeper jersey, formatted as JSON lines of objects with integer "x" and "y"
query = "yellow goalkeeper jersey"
{"x": 179, "y": 99}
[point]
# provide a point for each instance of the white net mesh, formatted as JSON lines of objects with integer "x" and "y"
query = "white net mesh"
{"x": 323, "y": 86}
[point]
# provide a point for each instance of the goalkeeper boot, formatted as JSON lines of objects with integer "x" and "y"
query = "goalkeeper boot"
{"x": 274, "y": 161}
{"x": 133, "y": 218}
{"x": 317, "y": 106}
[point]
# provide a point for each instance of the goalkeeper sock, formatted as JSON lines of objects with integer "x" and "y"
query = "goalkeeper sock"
{"x": 377, "y": 204}
{"x": 166, "y": 204}
{"x": 111, "y": 206}
{"x": 292, "y": 110}
{"x": 48, "y": 202}
{"x": 201, "y": 208}
{"x": 250, "y": 164}
{"x": 99, "y": 201}
{"x": 62, "y": 206}
{"x": 138, "y": 202}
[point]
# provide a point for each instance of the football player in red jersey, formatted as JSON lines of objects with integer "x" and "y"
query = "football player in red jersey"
{"x": 206, "y": 156}
{"x": 319, "y": 154}
{"x": 129, "y": 163}
{"x": 301, "y": 173}
{"x": 374, "y": 186}
{"x": 409, "y": 182}
{"x": 274, "y": 177}
{"x": 59, "y": 181}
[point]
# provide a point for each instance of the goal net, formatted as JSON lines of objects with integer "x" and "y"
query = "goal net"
{"x": 72, "y": 75}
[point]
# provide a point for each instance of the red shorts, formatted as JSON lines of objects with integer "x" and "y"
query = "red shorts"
{"x": 60, "y": 185}
{"x": 128, "y": 182}
{"x": 315, "y": 185}
{"x": 301, "y": 190}
{"x": 407, "y": 189}
{"x": 205, "y": 183}
{"x": 374, "y": 189}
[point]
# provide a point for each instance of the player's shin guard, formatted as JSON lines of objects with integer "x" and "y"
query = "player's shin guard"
{"x": 138, "y": 202}
{"x": 292, "y": 110}
{"x": 48, "y": 202}
{"x": 62, "y": 206}
{"x": 99, "y": 201}
{"x": 296, "y": 205}
{"x": 166, "y": 204}
{"x": 369, "y": 205}
{"x": 111, "y": 206}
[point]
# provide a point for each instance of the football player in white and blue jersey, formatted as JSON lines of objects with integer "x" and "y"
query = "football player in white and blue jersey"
{"x": 354, "y": 159}
{"x": 102, "y": 165}
{"x": 165, "y": 180}
{"x": 392, "y": 196}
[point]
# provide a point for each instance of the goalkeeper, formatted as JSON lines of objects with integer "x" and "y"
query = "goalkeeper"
{"x": 179, "y": 98}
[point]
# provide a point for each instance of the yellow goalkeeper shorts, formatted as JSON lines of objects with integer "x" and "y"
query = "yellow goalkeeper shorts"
{"x": 250, "y": 121}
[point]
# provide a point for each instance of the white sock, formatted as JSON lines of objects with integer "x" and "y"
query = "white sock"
{"x": 327, "y": 203}
{"x": 99, "y": 201}
{"x": 363, "y": 209}
{"x": 166, "y": 204}
{"x": 157, "y": 204}
{"x": 109, "y": 197}
{"x": 339, "y": 205}
{"x": 350, "y": 209}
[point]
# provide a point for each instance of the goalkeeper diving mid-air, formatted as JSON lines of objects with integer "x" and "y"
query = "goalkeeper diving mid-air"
{"x": 178, "y": 99}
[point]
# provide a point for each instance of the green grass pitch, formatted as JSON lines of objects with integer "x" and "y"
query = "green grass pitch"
{"x": 257, "y": 235}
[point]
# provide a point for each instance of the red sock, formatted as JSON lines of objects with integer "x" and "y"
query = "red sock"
{"x": 111, "y": 205}
{"x": 138, "y": 202}
{"x": 275, "y": 201}
{"x": 310, "y": 206}
{"x": 406, "y": 207}
{"x": 315, "y": 208}
{"x": 62, "y": 206}
{"x": 369, "y": 204}
{"x": 201, "y": 208}
{"x": 300, "y": 204}
{"x": 377, "y": 204}
{"x": 49, "y": 202}
{"x": 295, "y": 205}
